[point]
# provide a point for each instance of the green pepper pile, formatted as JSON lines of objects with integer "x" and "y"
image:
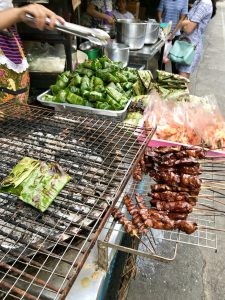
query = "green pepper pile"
{"x": 98, "y": 83}
{"x": 35, "y": 182}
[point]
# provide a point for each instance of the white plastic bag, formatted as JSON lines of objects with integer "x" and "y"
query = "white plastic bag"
{"x": 167, "y": 47}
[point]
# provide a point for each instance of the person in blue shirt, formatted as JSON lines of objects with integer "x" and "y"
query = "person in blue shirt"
{"x": 194, "y": 28}
{"x": 175, "y": 11}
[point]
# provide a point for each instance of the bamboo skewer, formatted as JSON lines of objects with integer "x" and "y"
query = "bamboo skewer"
{"x": 207, "y": 161}
{"x": 213, "y": 180}
{"x": 215, "y": 200}
{"x": 208, "y": 187}
{"x": 150, "y": 242}
{"x": 143, "y": 243}
{"x": 211, "y": 228}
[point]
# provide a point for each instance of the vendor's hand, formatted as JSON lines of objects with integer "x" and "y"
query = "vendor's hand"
{"x": 110, "y": 20}
{"x": 40, "y": 13}
{"x": 171, "y": 37}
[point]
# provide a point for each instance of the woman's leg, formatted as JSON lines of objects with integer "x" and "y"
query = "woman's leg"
{"x": 186, "y": 75}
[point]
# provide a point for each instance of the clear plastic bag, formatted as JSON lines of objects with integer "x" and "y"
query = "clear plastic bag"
{"x": 173, "y": 122}
{"x": 167, "y": 47}
{"x": 207, "y": 121}
{"x": 43, "y": 57}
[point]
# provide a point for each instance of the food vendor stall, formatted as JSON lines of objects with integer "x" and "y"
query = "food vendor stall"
{"x": 102, "y": 178}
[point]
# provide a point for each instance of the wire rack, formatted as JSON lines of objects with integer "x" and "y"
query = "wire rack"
{"x": 204, "y": 215}
{"x": 41, "y": 254}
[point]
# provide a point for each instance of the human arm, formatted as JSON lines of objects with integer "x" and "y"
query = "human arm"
{"x": 201, "y": 11}
{"x": 188, "y": 26}
{"x": 178, "y": 26}
{"x": 183, "y": 15}
{"x": 159, "y": 16}
{"x": 12, "y": 16}
{"x": 160, "y": 11}
{"x": 91, "y": 10}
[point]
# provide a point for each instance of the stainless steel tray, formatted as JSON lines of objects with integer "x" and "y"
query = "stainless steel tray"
{"x": 118, "y": 114}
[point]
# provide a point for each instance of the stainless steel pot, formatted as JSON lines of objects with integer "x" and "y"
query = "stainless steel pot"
{"x": 131, "y": 32}
{"x": 117, "y": 52}
{"x": 152, "y": 32}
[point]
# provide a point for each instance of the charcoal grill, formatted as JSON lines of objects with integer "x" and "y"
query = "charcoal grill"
{"x": 41, "y": 254}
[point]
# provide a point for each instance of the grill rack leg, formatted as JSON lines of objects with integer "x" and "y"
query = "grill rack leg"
{"x": 103, "y": 259}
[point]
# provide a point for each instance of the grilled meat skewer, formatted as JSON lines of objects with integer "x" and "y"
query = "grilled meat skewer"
{"x": 128, "y": 225}
{"x": 178, "y": 206}
{"x": 137, "y": 173}
{"x": 160, "y": 187}
{"x": 136, "y": 217}
{"x": 177, "y": 216}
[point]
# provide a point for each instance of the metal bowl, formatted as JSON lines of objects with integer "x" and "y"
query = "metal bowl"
{"x": 152, "y": 31}
{"x": 131, "y": 32}
{"x": 86, "y": 46}
{"x": 91, "y": 50}
{"x": 118, "y": 52}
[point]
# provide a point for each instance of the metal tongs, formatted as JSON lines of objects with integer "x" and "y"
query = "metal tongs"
{"x": 95, "y": 36}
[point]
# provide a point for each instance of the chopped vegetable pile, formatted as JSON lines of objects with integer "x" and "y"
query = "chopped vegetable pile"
{"x": 35, "y": 182}
{"x": 98, "y": 83}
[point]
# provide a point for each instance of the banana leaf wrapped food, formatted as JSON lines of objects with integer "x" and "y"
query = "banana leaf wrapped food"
{"x": 99, "y": 81}
{"x": 35, "y": 182}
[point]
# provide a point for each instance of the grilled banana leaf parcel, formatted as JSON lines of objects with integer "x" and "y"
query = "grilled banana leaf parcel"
{"x": 35, "y": 182}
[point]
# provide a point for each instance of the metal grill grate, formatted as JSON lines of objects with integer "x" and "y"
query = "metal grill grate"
{"x": 41, "y": 254}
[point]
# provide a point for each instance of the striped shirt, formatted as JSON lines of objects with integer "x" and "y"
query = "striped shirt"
{"x": 200, "y": 13}
{"x": 9, "y": 46}
{"x": 172, "y": 10}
